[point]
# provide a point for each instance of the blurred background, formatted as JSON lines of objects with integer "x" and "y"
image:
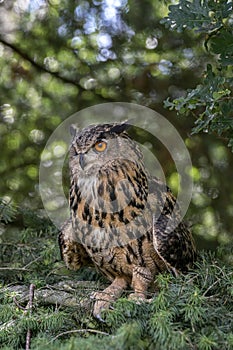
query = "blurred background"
{"x": 59, "y": 56}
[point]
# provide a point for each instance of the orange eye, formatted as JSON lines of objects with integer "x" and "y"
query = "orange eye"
{"x": 100, "y": 146}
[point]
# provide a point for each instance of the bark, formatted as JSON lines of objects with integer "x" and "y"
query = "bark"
{"x": 67, "y": 293}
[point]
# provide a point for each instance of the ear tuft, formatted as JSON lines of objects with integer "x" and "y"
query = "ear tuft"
{"x": 119, "y": 128}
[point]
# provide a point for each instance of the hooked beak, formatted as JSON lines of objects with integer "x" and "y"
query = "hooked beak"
{"x": 81, "y": 160}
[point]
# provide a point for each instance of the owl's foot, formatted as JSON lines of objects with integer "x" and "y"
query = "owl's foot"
{"x": 104, "y": 299}
{"x": 141, "y": 280}
{"x": 102, "y": 302}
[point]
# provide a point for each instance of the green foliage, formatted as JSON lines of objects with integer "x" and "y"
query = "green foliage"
{"x": 211, "y": 101}
{"x": 188, "y": 312}
{"x": 7, "y": 212}
{"x": 27, "y": 249}
{"x": 214, "y": 102}
{"x": 200, "y": 15}
{"x": 16, "y": 322}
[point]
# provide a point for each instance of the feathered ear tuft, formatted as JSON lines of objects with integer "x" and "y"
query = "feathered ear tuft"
{"x": 119, "y": 128}
{"x": 74, "y": 129}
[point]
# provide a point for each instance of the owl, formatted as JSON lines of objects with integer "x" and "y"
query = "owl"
{"x": 123, "y": 220}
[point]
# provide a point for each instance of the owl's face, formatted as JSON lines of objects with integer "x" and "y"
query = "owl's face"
{"x": 97, "y": 146}
{"x": 107, "y": 177}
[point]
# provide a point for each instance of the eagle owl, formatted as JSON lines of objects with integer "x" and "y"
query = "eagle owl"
{"x": 122, "y": 219}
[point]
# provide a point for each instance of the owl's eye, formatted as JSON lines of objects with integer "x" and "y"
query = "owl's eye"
{"x": 100, "y": 146}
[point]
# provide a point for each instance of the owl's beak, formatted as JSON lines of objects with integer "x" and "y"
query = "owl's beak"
{"x": 81, "y": 160}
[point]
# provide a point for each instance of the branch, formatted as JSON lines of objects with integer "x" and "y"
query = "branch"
{"x": 13, "y": 269}
{"x": 66, "y": 294}
{"x": 42, "y": 68}
{"x": 37, "y": 65}
{"x": 29, "y": 309}
{"x": 80, "y": 331}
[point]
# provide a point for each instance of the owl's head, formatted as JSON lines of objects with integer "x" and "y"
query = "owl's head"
{"x": 96, "y": 146}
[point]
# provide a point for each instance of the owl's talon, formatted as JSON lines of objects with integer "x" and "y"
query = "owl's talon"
{"x": 99, "y": 318}
{"x": 92, "y": 296}
{"x": 98, "y": 308}
{"x": 101, "y": 303}
{"x": 149, "y": 300}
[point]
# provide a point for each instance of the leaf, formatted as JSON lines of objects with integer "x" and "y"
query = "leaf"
{"x": 222, "y": 44}
{"x": 190, "y": 15}
{"x": 203, "y": 16}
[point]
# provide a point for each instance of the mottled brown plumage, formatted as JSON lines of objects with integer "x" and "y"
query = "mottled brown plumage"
{"x": 122, "y": 220}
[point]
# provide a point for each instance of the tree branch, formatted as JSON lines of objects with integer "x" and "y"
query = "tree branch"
{"x": 67, "y": 294}
{"x": 39, "y": 66}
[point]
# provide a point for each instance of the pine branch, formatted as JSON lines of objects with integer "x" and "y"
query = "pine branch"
{"x": 7, "y": 211}
{"x": 65, "y": 294}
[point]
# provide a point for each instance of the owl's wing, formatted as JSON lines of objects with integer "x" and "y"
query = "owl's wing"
{"x": 172, "y": 239}
{"x": 72, "y": 252}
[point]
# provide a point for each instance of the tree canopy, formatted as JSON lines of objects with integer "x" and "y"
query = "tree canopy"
{"x": 58, "y": 57}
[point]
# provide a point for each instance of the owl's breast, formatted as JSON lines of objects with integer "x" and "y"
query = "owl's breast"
{"x": 108, "y": 235}
{"x": 111, "y": 207}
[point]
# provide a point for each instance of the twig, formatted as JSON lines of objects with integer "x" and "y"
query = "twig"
{"x": 18, "y": 304}
{"x": 79, "y": 331}
{"x": 13, "y": 269}
{"x": 24, "y": 268}
{"x": 29, "y": 309}
{"x": 32, "y": 262}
